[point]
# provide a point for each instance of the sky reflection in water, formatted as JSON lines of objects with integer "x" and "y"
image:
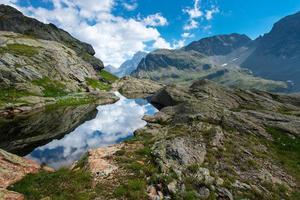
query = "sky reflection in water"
{"x": 113, "y": 124}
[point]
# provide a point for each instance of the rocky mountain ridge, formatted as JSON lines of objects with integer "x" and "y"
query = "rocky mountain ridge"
{"x": 35, "y": 73}
{"x": 184, "y": 67}
{"x": 277, "y": 54}
{"x": 216, "y": 58}
{"x": 269, "y": 63}
{"x": 219, "y": 45}
{"x": 14, "y": 21}
{"x": 43, "y": 65}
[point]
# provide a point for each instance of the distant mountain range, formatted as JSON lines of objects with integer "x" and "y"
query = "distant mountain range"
{"x": 276, "y": 55}
{"x": 128, "y": 66}
{"x": 271, "y": 62}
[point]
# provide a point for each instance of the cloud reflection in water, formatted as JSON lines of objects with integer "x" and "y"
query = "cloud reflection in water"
{"x": 113, "y": 123}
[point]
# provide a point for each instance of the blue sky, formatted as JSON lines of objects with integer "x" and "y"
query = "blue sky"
{"x": 252, "y": 17}
{"x": 119, "y": 28}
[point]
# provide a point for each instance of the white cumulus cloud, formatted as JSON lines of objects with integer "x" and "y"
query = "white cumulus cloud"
{"x": 194, "y": 13}
{"x": 155, "y": 20}
{"x": 130, "y": 7}
{"x": 187, "y": 35}
{"x": 192, "y": 24}
{"x": 209, "y": 13}
{"x": 197, "y": 13}
{"x": 113, "y": 37}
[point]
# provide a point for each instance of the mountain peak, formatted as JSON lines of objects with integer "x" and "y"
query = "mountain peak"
{"x": 13, "y": 20}
{"x": 128, "y": 66}
{"x": 6, "y": 10}
{"x": 277, "y": 53}
{"x": 219, "y": 44}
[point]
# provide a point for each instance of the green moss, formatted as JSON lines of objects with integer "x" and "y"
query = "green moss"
{"x": 250, "y": 194}
{"x": 277, "y": 191}
{"x": 108, "y": 79}
{"x": 120, "y": 191}
{"x": 75, "y": 101}
{"x": 288, "y": 111}
{"x": 108, "y": 76}
{"x": 51, "y": 88}
{"x": 85, "y": 56}
{"x": 295, "y": 195}
{"x": 284, "y": 110}
{"x": 62, "y": 184}
{"x": 133, "y": 189}
{"x": 139, "y": 164}
{"x": 256, "y": 106}
{"x": 190, "y": 195}
{"x": 150, "y": 169}
{"x": 135, "y": 167}
{"x": 146, "y": 151}
{"x": 251, "y": 164}
{"x": 11, "y": 95}
{"x": 287, "y": 150}
{"x": 193, "y": 168}
{"x": 96, "y": 84}
{"x": 21, "y": 49}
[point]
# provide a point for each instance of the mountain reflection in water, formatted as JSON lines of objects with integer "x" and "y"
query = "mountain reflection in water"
{"x": 113, "y": 123}
{"x": 23, "y": 133}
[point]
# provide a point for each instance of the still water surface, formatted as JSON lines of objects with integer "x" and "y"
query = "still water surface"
{"x": 112, "y": 124}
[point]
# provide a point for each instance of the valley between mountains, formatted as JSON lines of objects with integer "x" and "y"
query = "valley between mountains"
{"x": 207, "y": 121}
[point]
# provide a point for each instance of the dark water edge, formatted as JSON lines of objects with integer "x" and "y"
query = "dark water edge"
{"x": 22, "y": 134}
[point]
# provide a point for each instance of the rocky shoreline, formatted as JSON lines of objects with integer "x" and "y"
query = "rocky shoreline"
{"x": 35, "y": 103}
{"x": 206, "y": 142}
{"x": 12, "y": 169}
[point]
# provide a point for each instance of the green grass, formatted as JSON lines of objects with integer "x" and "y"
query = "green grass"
{"x": 75, "y": 101}
{"x": 96, "y": 84}
{"x": 139, "y": 165}
{"x": 120, "y": 191}
{"x": 193, "y": 168}
{"x": 190, "y": 195}
{"x": 102, "y": 85}
{"x": 108, "y": 76}
{"x": 21, "y": 49}
{"x": 134, "y": 189}
{"x": 146, "y": 151}
{"x": 287, "y": 150}
{"x": 11, "y": 95}
{"x": 62, "y": 184}
{"x": 52, "y": 88}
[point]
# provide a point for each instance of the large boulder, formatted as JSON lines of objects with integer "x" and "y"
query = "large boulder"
{"x": 13, "y": 168}
{"x": 136, "y": 88}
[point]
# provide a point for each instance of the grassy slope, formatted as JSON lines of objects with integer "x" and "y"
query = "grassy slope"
{"x": 20, "y": 49}
{"x": 63, "y": 184}
{"x": 56, "y": 89}
{"x": 102, "y": 85}
{"x": 233, "y": 78}
{"x": 137, "y": 162}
